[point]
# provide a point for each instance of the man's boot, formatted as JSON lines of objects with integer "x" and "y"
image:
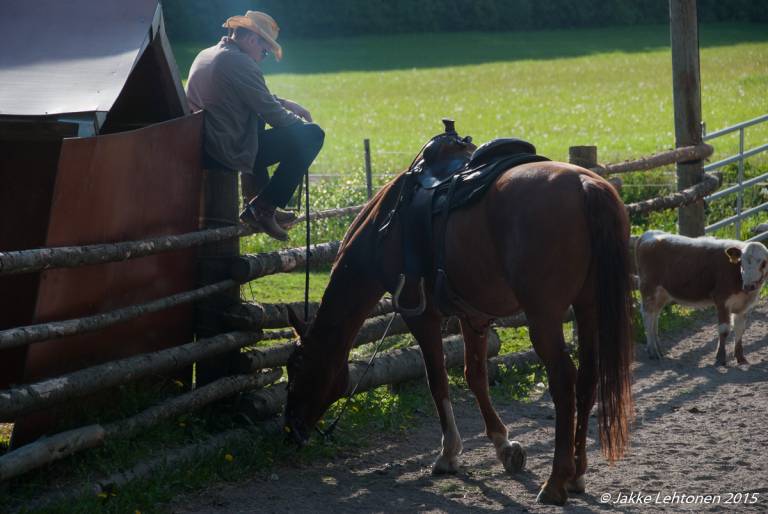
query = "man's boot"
{"x": 285, "y": 218}
{"x": 260, "y": 216}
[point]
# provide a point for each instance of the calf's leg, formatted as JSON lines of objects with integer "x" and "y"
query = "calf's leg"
{"x": 723, "y": 329}
{"x": 739, "y": 325}
{"x": 651, "y": 309}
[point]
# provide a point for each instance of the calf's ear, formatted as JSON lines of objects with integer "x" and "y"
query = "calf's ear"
{"x": 734, "y": 254}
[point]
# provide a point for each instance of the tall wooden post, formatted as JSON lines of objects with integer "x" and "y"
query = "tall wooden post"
{"x": 368, "y": 171}
{"x": 584, "y": 156}
{"x": 220, "y": 209}
{"x": 686, "y": 87}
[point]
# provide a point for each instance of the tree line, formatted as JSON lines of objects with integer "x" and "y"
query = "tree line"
{"x": 200, "y": 20}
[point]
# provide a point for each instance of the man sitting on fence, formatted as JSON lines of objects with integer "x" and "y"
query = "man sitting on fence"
{"x": 225, "y": 80}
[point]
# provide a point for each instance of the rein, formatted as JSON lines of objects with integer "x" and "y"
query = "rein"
{"x": 327, "y": 434}
{"x": 309, "y": 252}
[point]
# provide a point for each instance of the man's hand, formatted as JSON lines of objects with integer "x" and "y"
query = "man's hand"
{"x": 297, "y": 109}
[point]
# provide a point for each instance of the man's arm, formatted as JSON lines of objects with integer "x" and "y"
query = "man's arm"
{"x": 294, "y": 108}
{"x": 250, "y": 86}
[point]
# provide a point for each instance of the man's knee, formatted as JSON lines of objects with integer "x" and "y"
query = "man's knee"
{"x": 313, "y": 136}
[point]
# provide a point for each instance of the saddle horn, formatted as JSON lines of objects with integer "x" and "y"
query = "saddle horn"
{"x": 450, "y": 126}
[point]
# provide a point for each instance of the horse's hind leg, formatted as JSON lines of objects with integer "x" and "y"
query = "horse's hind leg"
{"x": 510, "y": 453}
{"x": 426, "y": 330}
{"x": 546, "y": 333}
{"x": 586, "y": 390}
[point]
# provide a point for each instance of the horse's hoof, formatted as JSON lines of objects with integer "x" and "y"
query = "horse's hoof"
{"x": 549, "y": 496}
{"x": 513, "y": 457}
{"x": 742, "y": 360}
{"x": 720, "y": 363}
{"x": 445, "y": 466}
{"x": 576, "y": 485}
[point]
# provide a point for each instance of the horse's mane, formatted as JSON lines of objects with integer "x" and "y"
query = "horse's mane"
{"x": 382, "y": 202}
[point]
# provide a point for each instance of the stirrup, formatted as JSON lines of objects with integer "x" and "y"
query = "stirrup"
{"x": 416, "y": 311}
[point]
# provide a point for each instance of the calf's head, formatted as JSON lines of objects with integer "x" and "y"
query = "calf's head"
{"x": 754, "y": 264}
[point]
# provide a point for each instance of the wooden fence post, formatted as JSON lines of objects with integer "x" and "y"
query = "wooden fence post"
{"x": 220, "y": 209}
{"x": 686, "y": 88}
{"x": 584, "y": 156}
{"x": 368, "y": 171}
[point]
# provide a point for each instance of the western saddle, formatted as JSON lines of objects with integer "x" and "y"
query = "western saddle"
{"x": 446, "y": 175}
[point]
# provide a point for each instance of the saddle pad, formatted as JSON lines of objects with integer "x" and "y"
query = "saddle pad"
{"x": 499, "y": 148}
{"x": 472, "y": 184}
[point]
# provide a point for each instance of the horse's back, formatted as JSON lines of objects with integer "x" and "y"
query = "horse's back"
{"x": 534, "y": 224}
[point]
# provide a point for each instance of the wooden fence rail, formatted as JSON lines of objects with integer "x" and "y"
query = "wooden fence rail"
{"x": 27, "y": 398}
{"x": 258, "y": 316}
{"x": 392, "y": 367}
{"x": 39, "y": 259}
{"x": 26, "y": 261}
{"x": 678, "y": 199}
{"x": 682, "y": 154}
{"x": 57, "y": 329}
{"x": 49, "y": 449}
{"x": 250, "y": 267}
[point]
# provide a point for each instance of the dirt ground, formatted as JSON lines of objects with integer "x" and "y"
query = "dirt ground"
{"x": 700, "y": 430}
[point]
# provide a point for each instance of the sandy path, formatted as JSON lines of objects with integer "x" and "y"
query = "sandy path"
{"x": 700, "y": 430}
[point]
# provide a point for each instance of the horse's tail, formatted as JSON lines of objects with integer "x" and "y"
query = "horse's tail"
{"x": 609, "y": 234}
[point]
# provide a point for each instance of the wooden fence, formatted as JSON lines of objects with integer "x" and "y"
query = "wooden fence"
{"x": 257, "y": 369}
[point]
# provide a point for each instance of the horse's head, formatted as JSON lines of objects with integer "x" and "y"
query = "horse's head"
{"x": 447, "y": 150}
{"x": 316, "y": 378}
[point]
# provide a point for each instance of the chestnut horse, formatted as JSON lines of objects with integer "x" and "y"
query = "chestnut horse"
{"x": 545, "y": 236}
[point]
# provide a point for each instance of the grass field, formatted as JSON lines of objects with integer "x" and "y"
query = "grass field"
{"x": 609, "y": 87}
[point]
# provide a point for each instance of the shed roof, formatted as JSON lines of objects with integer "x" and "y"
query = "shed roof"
{"x": 71, "y": 56}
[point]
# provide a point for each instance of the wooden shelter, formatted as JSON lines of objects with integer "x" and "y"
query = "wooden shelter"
{"x": 97, "y": 145}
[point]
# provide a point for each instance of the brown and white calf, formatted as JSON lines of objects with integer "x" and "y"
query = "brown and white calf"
{"x": 699, "y": 273}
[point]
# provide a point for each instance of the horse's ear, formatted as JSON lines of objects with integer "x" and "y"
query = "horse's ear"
{"x": 300, "y": 325}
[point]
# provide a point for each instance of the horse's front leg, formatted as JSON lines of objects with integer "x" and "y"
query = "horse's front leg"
{"x": 426, "y": 330}
{"x": 546, "y": 334}
{"x": 510, "y": 453}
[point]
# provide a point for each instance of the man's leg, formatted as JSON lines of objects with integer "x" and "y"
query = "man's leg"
{"x": 294, "y": 147}
{"x": 253, "y": 182}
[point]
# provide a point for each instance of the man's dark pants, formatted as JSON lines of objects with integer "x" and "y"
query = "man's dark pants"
{"x": 294, "y": 147}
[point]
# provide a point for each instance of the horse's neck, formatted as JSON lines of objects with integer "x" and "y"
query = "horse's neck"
{"x": 349, "y": 298}
{"x": 354, "y": 287}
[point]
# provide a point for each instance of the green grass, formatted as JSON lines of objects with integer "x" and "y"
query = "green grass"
{"x": 609, "y": 87}
{"x": 285, "y": 287}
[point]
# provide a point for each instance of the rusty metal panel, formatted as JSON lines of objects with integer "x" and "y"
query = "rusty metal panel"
{"x": 117, "y": 187}
{"x": 70, "y": 56}
{"x": 29, "y": 154}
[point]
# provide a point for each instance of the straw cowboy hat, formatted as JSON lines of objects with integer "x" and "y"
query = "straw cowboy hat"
{"x": 262, "y": 24}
